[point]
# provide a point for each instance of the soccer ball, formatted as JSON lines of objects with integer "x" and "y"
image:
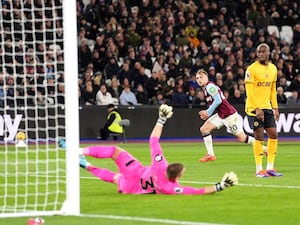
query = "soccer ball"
{"x": 21, "y": 136}
{"x": 36, "y": 221}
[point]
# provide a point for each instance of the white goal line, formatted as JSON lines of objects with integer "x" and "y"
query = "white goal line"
{"x": 149, "y": 220}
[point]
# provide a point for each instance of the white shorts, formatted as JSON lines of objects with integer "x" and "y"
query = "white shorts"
{"x": 232, "y": 123}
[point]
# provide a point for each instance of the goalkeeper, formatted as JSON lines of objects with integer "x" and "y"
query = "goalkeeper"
{"x": 158, "y": 178}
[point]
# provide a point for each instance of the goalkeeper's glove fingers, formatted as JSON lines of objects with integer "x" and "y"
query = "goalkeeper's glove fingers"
{"x": 165, "y": 111}
{"x": 228, "y": 180}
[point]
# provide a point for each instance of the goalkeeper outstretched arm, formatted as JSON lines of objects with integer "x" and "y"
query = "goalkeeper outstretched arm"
{"x": 228, "y": 180}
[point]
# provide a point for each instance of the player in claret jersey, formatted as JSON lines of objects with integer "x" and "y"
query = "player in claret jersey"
{"x": 262, "y": 108}
{"x": 219, "y": 113}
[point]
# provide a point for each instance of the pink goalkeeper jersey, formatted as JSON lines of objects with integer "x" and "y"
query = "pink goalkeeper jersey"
{"x": 139, "y": 179}
{"x": 135, "y": 178}
{"x": 158, "y": 168}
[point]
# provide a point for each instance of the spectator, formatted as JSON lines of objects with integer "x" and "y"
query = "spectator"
{"x": 2, "y": 93}
{"x": 283, "y": 83}
{"x": 84, "y": 54}
{"x": 98, "y": 80}
{"x": 88, "y": 94}
{"x": 186, "y": 60}
{"x": 252, "y": 13}
{"x": 295, "y": 84}
{"x": 141, "y": 95}
{"x": 169, "y": 89}
{"x": 212, "y": 74}
{"x": 115, "y": 89}
{"x": 125, "y": 72}
{"x": 127, "y": 97}
{"x": 293, "y": 99}
{"x": 103, "y": 97}
{"x": 281, "y": 98}
{"x": 111, "y": 68}
{"x": 172, "y": 71}
{"x": 237, "y": 98}
{"x": 181, "y": 38}
{"x": 133, "y": 37}
{"x": 194, "y": 41}
{"x": 140, "y": 76}
{"x": 200, "y": 99}
{"x": 191, "y": 95}
{"x": 179, "y": 98}
{"x": 158, "y": 99}
{"x": 111, "y": 125}
{"x": 229, "y": 82}
{"x": 263, "y": 19}
{"x": 152, "y": 85}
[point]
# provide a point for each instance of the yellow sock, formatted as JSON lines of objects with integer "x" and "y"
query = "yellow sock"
{"x": 258, "y": 154}
{"x": 272, "y": 150}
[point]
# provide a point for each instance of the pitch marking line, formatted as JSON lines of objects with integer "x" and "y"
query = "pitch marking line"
{"x": 149, "y": 220}
{"x": 210, "y": 183}
{"x": 250, "y": 185}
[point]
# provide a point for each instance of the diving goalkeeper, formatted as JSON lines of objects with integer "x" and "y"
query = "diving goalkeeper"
{"x": 158, "y": 178}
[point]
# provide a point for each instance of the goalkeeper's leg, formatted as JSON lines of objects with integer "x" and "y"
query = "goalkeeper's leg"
{"x": 100, "y": 151}
{"x": 102, "y": 173}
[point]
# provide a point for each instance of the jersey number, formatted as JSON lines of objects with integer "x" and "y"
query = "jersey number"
{"x": 232, "y": 128}
{"x": 148, "y": 184}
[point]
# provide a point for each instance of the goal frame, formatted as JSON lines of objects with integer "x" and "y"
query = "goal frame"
{"x": 71, "y": 205}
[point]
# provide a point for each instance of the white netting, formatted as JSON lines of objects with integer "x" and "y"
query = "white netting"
{"x": 32, "y": 178}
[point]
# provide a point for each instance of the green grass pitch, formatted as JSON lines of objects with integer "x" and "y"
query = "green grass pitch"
{"x": 266, "y": 201}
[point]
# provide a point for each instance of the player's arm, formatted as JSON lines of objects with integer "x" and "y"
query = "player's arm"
{"x": 110, "y": 120}
{"x": 164, "y": 113}
{"x": 249, "y": 86}
{"x": 273, "y": 98}
{"x": 228, "y": 180}
{"x": 212, "y": 90}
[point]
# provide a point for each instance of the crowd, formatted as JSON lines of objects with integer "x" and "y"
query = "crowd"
{"x": 146, "y": 52}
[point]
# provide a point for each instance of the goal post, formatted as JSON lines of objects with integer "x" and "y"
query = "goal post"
{"x": 39, "y": 96}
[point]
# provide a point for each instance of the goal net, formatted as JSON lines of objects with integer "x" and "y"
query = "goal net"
{"x": 36, "y": 77}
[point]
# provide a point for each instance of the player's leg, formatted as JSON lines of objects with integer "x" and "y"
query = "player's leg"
{"x": 258, "y": 128}
{"x": 235, "y": 127}
{"x": 101, "y": 151}
{"x": 270, "y": 127}
{"x": 98, "y": 152}
{"x": 212, "y": 123}
{"x": 248, "y": 139}
{"x": 104, "y": 134}
{"x": 102, "y": 173}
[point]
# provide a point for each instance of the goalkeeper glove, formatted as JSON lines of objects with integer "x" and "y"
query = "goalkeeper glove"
{"x": 165, "y": 112}
{"x": 228, "y": 180}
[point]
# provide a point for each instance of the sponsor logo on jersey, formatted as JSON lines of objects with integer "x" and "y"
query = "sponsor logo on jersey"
{"x": 178, "y": 190}
{"x": 158, "y": 158}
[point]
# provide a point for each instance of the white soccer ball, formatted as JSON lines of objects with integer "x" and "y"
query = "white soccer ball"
{"x": 36, "y": 221}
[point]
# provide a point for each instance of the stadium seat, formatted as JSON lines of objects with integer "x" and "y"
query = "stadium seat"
{"x": 273, "y": 30}
{"x": 287, "y": 34}
{"x": 287, "y": 94}
{"x": 287, "y": 28}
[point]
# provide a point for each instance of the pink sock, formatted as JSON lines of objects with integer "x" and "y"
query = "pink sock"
{"x": 100, "y": 151}
{"x": 103, "y": 174}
